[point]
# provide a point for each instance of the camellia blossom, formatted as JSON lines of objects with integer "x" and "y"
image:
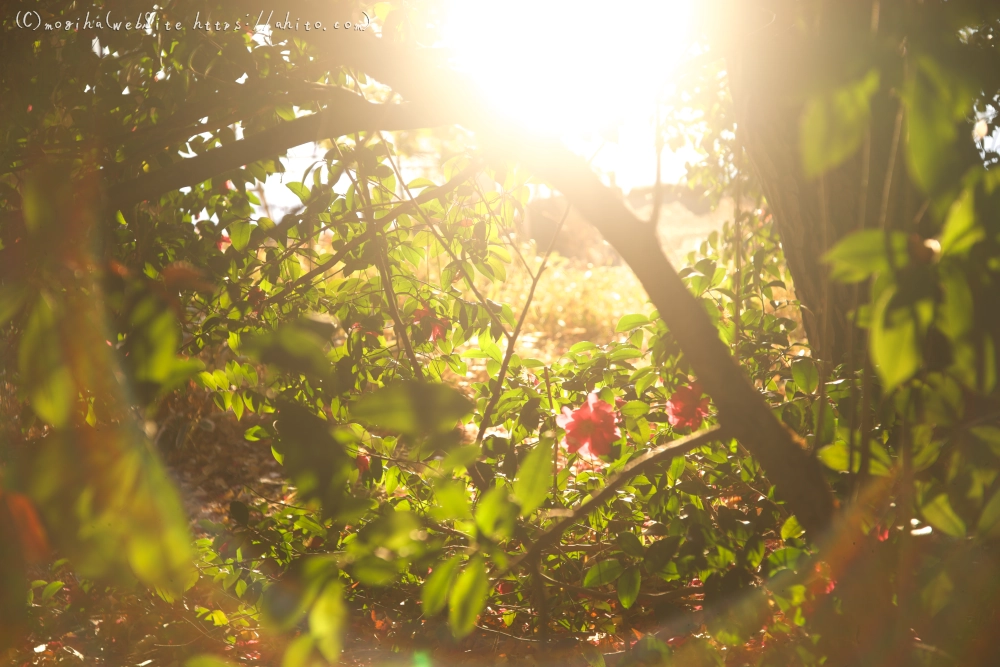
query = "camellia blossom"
{"x": 438, "y": 327}
{"x": 686, "y": 408}
{"x": 591, "y": 427}
{"x": 363, "y": 463}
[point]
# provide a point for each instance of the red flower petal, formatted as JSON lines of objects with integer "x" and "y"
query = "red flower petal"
{"x": 686, "y": 408}
{"x": 591, "y": 427}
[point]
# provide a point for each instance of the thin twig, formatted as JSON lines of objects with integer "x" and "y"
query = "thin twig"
{"x": 509, "y": 353}
{"x": 825, "y": 342}
{"x": 382, "y": 264}
{"x": 496, "y": 221}
{"x": 852, "y": 331}
{"x": 866, "y": 385}
{"x": 654, "y": 216}
{"x": 447, "y": 247}
{"x": 738, "y": 232}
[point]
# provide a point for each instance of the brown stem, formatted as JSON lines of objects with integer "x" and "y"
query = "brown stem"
{"x": 738, "y": 231}
{"x": 447, "y": 247}
{"x": 382, "y": 264}
{"x": 824, "y": 320}
{"x": 348, "y": 117}
{"x": 852, "y": 331}
{"x": 498, "y": 388}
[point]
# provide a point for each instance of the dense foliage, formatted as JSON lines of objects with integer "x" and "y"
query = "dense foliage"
{"x": 443, "y": 489}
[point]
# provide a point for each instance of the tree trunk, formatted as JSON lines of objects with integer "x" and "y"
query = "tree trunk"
{"x": 767, "y": 71}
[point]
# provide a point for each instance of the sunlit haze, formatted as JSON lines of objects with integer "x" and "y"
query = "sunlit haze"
{"x": 579, "y": 70}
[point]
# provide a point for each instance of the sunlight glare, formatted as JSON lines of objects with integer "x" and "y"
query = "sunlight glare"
{"x": 569, "y": 66}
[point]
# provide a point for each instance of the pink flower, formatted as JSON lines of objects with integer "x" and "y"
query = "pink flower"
{"x": 686, "y": 408}
{"x": 363, "y": 463}
{"x": 592, "y": 426}
{"x": 437, "y": 325}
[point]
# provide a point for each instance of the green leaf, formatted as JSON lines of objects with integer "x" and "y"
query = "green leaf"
{"x": 44, "y": 371}
{"x": 630, "y": 544}
{"x": 434, "y": 593}
{"x": 805, "y": 375}
{"x": 452, "y": 501}
{"x": 990, "y": 435}
{"x": 51, "y": 589}
{"x": 374, "y": 571}
{"x": 629, "y": 322}
{"x": 239, "y": 234}
{"x": 938, "y": 99}
{"x": 792, "y": 529}
{"x": 956, "y": 316}
{"x": 413, "y": 408}
{"x": 12, "y": 297}
{"x": 315, "y": 459}
{"x": 628, "y": 586}
{"x": 326, "y": 620}
{"x": 857, "y": 256}
{"x": 989, "y": 520}
{"x": 534, "y": 478}
{"x": 495, "y": 515}
{"x": 661, "y": 552}
{"x": 753, "y": 551}
{"x": 960, "y": 231}
{"x": 786, "y": 558}
{"x": 835, "y": 455}
{"x": 635, "y": 409}
{"x": 939, "y": 514}
{"x": 938, "y": 593}
{"x": 299, "y": 190}
{"x": 208, "y": 660}
{"x": 468, "y": 597}
{"x": 894, "y": 342}
{"x": 299, "y": 652}
{"x": 603, "y": 573}
{"x": 239, "y": 512}
{"x": 295, "y": 347}
{"x": 490, "y": 348}
{"x": 594, "y": 657}
{"x": 834, "y": 123}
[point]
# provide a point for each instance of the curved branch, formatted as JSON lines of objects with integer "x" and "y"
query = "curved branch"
{"x": 646, "y": 461}
{"x": 349, "y": 116}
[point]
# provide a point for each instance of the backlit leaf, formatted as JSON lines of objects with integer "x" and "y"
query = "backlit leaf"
{"x": 468, "y": 597}
{"x": 534, "y": 478}
{"x": 939, "y": 513}
{"x": 413, "y": 408}
{"x": 603, "y": 573}
{"x": 434, "y": 593}
{"x": 628, "y": 586}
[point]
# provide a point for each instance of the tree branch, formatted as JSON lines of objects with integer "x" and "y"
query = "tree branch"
{"x": 350, "y": 116}
{"x": 646, "y": 461}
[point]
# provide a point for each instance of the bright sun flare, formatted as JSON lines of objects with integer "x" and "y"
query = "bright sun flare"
{"x": 575, "y": 68}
